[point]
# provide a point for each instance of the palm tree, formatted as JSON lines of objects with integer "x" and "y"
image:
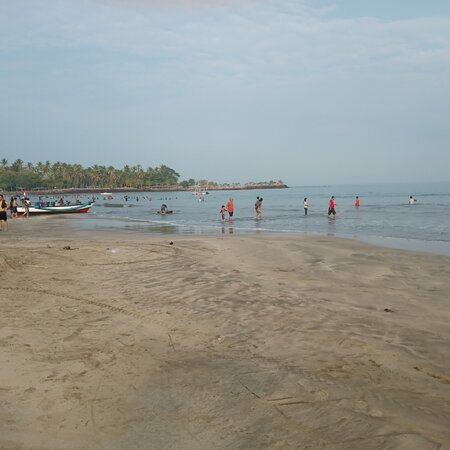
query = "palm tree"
{"x": 61, "y": 174}
{"x": 47, "y": 167}
{"x": 40, "y": 168}
{"x": 17, "y": 165}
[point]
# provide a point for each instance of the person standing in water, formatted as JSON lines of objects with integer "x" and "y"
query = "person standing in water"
{"x": 230, "y": 208}
{"x": 331, "y": 207}
{"x": 412, "y": 200}
{"x": 357, "y": 202}
{"x": 258, "y": 207}
{"x": 222, "y": 212}
{"x": 305, "y": 205}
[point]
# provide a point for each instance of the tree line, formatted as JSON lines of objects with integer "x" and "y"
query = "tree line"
{"x": 59, "y": 175}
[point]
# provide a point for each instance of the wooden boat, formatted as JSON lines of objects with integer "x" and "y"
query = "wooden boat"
{"x": 48, "y": 208}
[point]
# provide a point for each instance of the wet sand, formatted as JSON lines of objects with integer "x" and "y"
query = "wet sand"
{"x": 239, "y": 342}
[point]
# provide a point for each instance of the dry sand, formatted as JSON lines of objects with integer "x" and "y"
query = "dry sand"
{"x": 237, "y": 342}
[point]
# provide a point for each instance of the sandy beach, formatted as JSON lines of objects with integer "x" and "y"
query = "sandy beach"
{"x": 125, "y": 341}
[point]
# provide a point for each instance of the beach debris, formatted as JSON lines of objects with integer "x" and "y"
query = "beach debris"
{"x": 387, "y": 310}
{"x": 171, "y": 243}
{"x": 67, "y": 247}
{"x": 171, "y": 342}
{"x": 219, "y": 339}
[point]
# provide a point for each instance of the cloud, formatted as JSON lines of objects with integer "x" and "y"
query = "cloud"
{"x": 253, "y": 37}
{"x": 231, "y": 44}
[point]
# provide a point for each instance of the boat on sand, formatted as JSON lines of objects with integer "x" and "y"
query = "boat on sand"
{"x": 49, "y": 208}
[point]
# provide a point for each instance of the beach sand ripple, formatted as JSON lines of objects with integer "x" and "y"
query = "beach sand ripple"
{"x": 221, "y": 342}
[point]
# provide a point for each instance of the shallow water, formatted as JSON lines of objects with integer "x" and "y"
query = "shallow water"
{"x": 385, "y": 217}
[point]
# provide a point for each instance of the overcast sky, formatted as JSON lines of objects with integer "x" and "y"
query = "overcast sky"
{"x": 310, "y": 92}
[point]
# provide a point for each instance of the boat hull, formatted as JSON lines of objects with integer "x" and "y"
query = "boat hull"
{"x": 65, "y": 209}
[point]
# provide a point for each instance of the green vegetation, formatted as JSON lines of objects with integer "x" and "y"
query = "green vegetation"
{"x": 44, "y": 176}
{"x": 58, "y": 175}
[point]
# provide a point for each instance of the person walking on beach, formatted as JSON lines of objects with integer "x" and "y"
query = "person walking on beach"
{"x": 26, "y": 206}
{"x": 222, "y": 211}
{"x": 305, "y": 205}
{"x": 230, "y": 208}
{"x": 13, "y": 207}
{"x": 3, "y": 215}
{"x": 331, "y": 207}
{"x": 357, "y": 202}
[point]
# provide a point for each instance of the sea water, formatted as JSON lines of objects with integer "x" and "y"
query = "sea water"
{"x": 385, "y": 216}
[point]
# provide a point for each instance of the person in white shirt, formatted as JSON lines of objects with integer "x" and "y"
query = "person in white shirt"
{"x": 305, "y": 205}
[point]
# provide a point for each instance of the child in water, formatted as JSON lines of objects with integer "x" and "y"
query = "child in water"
{"x": 222, "y": 211}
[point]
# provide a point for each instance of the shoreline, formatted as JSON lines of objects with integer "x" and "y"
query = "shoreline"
{"x": 439, "y": 248}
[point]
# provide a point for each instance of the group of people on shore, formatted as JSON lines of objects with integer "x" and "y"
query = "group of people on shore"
{"x": 12, "y": 206}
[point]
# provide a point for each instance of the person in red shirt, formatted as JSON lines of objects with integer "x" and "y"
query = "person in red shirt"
{"x": 331, "y": 206}
{"x": 357, "y": 202}
{"x": 230, "y": 208}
